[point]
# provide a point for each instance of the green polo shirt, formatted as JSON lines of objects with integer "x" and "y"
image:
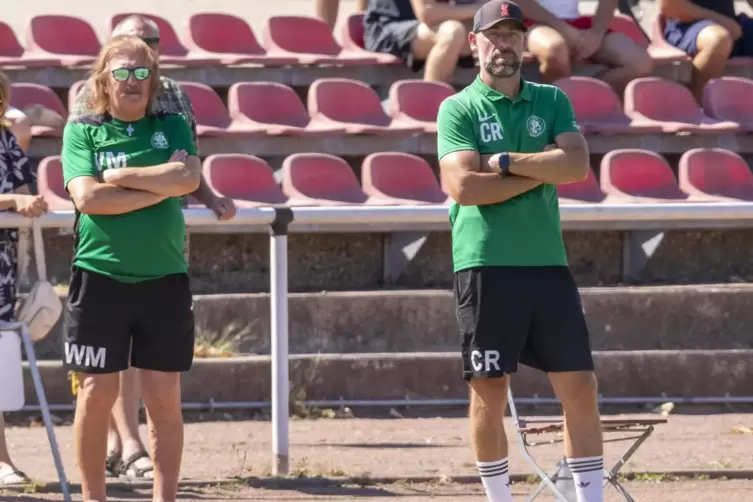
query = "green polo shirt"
{"x": 525, "y": 230}
{"x": 140, "y": 245}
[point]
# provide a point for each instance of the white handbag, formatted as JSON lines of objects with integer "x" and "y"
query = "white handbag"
{"x": 42, "y": 307}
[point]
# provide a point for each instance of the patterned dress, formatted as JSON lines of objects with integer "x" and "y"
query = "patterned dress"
{"x": 15, "y": 171}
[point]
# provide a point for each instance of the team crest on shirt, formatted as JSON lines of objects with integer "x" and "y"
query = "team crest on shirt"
{"x": 159, "y": 140}
{"x": 536, "y": 126}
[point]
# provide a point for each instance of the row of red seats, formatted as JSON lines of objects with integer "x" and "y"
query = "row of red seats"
{"x": 390, "y": 178}
{"x": 224, "y": 39}
{"x": 208, "y": 39}
{"x": 336, "y": 106}
{"x": 339, "y": 106}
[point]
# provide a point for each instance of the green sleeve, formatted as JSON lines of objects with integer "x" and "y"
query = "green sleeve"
{"x": 454, "y": 128}
{"x": 181, "y": 137}
{"x": 564, "y": 116}
{"x": 78, "y": 154}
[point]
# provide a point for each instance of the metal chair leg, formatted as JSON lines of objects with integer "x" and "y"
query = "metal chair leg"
{"x": 44, "y": 406}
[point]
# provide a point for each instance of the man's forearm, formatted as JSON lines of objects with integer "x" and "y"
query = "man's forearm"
{"x": 109, "y": 199}
{"x": 477, "y": 189}
{"x": 204, "y": 194}
{"x": 172, "y": 179}
{"x": 435, "y": 13}
{"x": 603, "y": 16}
{"x": 554, "y": 167}
{"x": 684, "y": 10}
{"x": 535, "y": 12}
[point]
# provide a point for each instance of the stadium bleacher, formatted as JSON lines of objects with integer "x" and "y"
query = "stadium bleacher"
{"x": 294, "y": 114}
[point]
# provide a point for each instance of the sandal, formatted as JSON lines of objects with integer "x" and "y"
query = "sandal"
{"x": 128, "y": 470}
{"x": 112, "y": 463}
{"x": 10, "y": 476}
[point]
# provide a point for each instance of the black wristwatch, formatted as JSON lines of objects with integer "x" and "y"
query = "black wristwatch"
{"x": 504, "y": 163}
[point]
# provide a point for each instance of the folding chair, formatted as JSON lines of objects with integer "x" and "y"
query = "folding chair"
{"x": 635, "y": 430}
{"x": 12, "y": 394}
{"x": 12, "y": 391}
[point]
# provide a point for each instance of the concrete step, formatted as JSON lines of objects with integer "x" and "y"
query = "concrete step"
{"x": 627, "y": 318}
{"x": 438, "y": 375}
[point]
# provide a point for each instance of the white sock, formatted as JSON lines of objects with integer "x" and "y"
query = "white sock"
{"x": 588, "y": 476}
{"x": 496, "y": 480}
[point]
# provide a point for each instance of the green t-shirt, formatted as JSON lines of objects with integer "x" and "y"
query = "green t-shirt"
{"x": 139, "y": 245}
{"x": 525, "y": 230}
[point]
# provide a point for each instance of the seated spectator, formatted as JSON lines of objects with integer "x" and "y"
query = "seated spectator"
{"x": 424, "y": 33}
{"x": 327, "y": 10}
{"x": 561, "y": 37}
{"x": 710, "y": 32}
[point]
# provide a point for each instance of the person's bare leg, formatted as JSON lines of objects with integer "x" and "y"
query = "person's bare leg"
{"x": 714, "y": 45}
{"x": 361, "y": 5}
{"x": 487, "y": 410}
{"x": 551, "y": 51}
{"x": 584, "y": 448}
{"x": 626, "y": 61}
{"x": 161, "y": 394}
{"x": 326, "y": 10}
{"x": 9, "y": 473}
{"x": 125, "y": 419}
{"x": 440, "y": 47}
{"x": 96, "y": 396}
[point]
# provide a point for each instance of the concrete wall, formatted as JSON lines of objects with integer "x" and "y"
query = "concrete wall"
{"x": 349, "y": 262}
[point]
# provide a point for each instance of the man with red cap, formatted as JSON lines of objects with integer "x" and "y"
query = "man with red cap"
{"x": 503, "y": 145}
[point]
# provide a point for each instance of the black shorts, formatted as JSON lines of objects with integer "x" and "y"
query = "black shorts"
{"x": 111, "y": 325}
{"x": 396, "y": 38}
{"x": 528, "y": 315}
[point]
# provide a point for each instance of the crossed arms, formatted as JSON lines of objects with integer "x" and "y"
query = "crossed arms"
{"x": 473, "y": 179}
{"x": 129, "y": 189}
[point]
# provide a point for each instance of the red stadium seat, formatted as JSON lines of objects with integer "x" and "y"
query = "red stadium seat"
{"x": 586, "y": 191}
{"x": 354, "y": 105}
{"x": 400, "y": 178}
{"x": 246, "y": 179}
{"x": 416, "y": 102}
{"x": 320, "y": 179}
{"x": 68, "y": 38}
{"x": 310, "y": 41}
{"x": 24, "y": 95}
{"x": 655, "y": 101}
{"x": 229, "y": 38}
{"x": 351, "y": 38}
{"x": 50, "y": 184}
{"x": 274, "y": 109}
{"x": 13, "y": 54}
{"x": 716, "y": 175}
{"x": 212, "y": 118}
{"x": 661, "y": 53}
{"x": 598, "y": 108}
{"x": 728, "y": 98}
{"x": 638, "y": 176}
{"x": 73, "y": 91}
{"x": 171, "y": 49}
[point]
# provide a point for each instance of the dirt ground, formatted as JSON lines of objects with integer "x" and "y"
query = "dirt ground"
{"x": 684, "y": 491}
{"x": 228, "y": 459}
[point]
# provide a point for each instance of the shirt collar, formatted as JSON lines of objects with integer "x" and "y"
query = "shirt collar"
{"x": 526, "y": 93}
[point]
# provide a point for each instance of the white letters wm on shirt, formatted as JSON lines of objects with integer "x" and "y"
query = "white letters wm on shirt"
{"x": 85, "y": 355}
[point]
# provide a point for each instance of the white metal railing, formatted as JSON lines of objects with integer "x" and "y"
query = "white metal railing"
{"x": 282, "y": 220}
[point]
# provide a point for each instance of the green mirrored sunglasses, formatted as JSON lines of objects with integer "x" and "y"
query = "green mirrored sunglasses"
{"x": 122, "y": 74}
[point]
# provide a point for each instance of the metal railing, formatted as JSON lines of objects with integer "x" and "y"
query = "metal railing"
{"x": 282, "y": 220}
